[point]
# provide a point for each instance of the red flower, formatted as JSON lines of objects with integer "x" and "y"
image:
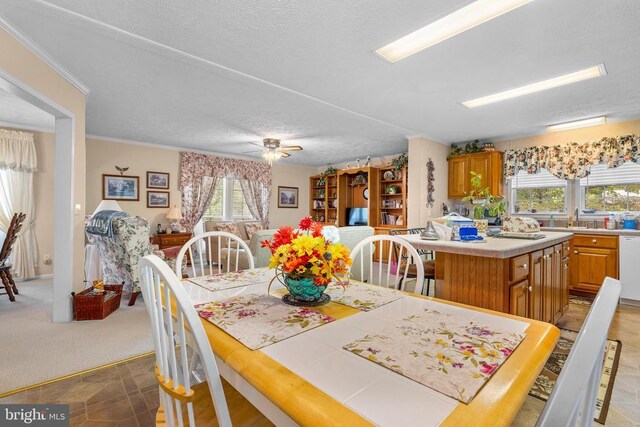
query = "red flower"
{"x": 488, "y": 368}
{"x": 305, "y": 223}
{"x": 283, "y": 236}
{"x": 316, "y": 229}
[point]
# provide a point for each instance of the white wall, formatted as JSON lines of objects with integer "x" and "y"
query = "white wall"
{"x": 420, "y": 150}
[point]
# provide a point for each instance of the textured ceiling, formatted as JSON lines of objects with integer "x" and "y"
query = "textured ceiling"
{"x": 15, "y": 111}
{"x": 215, "y": 75}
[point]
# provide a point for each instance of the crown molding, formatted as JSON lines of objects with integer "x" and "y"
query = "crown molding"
{"x": 42, "y": 54}
{"x": 13, "y": 125}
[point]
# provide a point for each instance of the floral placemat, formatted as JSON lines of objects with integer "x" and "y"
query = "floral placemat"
{"x": 453, "y": 357}
{"x": 260, "y": 320}
{"x": 362, "y": 296}
{"x": 234, "y": 279}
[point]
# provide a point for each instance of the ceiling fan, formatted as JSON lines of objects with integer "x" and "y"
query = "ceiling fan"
{"x": 273, "y": 150}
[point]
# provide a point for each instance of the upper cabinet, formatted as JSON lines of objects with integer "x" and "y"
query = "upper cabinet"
{"x": 488, "y": 164}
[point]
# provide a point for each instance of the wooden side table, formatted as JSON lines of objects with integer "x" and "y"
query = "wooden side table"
{"x": 169, "y": 240}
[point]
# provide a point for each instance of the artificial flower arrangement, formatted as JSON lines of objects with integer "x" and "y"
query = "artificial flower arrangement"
{"x": 307, "y": 261}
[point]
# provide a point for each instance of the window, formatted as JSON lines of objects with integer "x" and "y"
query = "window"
{"x": 228, "y": 203}
{"x": 611, "y": 190}
{"x": 536, "y": 193}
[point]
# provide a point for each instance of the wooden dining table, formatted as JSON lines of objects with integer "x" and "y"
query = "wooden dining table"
{"x": 310, "y": 380}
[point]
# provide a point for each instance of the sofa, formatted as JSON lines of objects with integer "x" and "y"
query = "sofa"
{"x": 349, "y": 236}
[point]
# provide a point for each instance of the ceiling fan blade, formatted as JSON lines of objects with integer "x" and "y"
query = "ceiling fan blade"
{"x": 256, "y": 144}
{"x": 291, "y": 147}
{"x": 284, "y": 154}
{"x": 250, "y": 152}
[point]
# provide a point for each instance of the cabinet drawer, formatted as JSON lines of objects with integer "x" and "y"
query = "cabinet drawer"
{"x": 519, "y": 268}
{"x": 173, "y": 241}
{"x": 595, "y": 241}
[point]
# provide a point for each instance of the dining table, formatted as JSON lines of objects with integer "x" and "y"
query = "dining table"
{"x": 310, "y": 379}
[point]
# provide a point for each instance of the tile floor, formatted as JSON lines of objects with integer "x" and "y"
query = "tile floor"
{"x": 126, "y": 394}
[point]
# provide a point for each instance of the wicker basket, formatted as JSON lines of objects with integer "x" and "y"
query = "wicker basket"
{"x": 96, "y": 307}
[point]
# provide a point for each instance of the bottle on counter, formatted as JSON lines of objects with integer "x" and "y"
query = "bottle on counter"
{"x": 611, "y": 225}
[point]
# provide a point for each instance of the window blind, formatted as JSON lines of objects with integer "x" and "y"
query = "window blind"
{"x": 542, "y": 179}
{"x": 628, "y": 173}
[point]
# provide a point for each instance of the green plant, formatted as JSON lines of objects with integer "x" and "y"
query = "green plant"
{"x": 330, "y": 171}
{"x": 496, "y": 205}
{"x": 400, "y": 162}
{"x": 473, "y": 147}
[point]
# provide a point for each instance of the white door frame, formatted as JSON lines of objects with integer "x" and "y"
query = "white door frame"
{"x": 64, "y": 192}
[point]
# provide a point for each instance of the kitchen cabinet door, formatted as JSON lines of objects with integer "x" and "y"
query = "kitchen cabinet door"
{"x": 459, "y": 179}
{"x": 535, "y": 283}
{"x": 547, "y": 285}
{"x": 519, "y": 299}
{"x": 556, "y": 285}
{"x": 564, "y": 284}
{"x": 591, "y": 266}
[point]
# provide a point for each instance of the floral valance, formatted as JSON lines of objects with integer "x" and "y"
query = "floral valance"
{"x": 196, "y": 164}
{"x": 573, "y": 160}
{"x": 17, "y": 151}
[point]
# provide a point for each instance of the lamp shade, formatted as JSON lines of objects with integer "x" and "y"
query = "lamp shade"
{"x": 174, "y": 213}
{"x": 107, "y": 205}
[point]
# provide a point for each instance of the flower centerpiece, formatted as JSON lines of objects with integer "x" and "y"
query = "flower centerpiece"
{"x": 306, "y": 261}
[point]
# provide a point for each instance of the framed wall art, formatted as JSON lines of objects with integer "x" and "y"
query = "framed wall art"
{"x": 158, "y": 199}
{"x": 287, "y": 197}
{"x": 120, "y": 187}
{"x": 157, "y": 180}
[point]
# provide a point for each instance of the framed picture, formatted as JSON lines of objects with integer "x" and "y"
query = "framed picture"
{"x": 287, "y": 197}
{"x": 120, "y": 187}
{"x": 157, "y": 180}
{"x": 158, "y": 199}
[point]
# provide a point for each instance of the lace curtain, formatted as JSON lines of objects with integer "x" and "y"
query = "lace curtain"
{"x": 573, "y": 160}
{"x": 18, "y": 162}
{"x": 199, "y": 174}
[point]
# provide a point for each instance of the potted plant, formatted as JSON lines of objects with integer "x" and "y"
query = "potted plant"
{"x": 483, "y": 201}
{"x": 400, "y": 162}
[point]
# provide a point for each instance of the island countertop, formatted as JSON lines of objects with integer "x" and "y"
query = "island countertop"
{"x": 492, "y": 247}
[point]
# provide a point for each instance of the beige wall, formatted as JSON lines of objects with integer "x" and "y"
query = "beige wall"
{"x": 288, "y": 175}
{"x": 420, "y": 150}
{"x": 25, "y": 66}
{"x": 102, "y": 156}
{"x": 575, "y": 135}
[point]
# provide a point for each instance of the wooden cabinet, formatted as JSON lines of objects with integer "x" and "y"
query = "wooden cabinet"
{"x": 547, "y": 286}
{"x": 323, "y": 199}
{"x": 488, "y": 164}
{"x": 594, "y": 257}
{"x": 564, "y": 277}
{"x": 536, "y": 286}
{"x": 556, "y": 283}
{"x": 519, "y": 299}
{"x": 458, "y": 177}
{"x": 393, "y": 197}
{"x": 169, "y": 240}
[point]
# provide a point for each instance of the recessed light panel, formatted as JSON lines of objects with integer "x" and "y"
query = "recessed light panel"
{"x": 578, "y": 124}
{"x": 578, "y": 76}
{"x": 461, "y": 20}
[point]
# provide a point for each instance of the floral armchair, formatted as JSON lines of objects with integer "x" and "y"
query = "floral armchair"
{"x": 119, "y": 256}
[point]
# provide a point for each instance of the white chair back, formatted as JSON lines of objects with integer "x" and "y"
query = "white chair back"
{"x": 159, "y": 286}
{"x": 383, "y": 274}
{"x": 226, "y": 243}
{"x": 573, "y": 399}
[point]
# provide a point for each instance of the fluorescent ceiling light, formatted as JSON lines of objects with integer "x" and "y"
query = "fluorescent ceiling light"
{"x": 578, "y": 124}
{"x": 457, "y": 22}
{"x": 578, "y": 76}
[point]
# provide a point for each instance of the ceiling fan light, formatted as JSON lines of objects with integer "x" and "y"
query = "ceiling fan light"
{"x": 271, "y": 155}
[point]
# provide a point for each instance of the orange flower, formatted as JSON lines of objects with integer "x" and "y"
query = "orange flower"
{"x": 316, "y": 229}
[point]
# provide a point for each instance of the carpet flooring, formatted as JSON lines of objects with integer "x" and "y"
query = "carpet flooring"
{"x": 39, "y": 350}
{"x": 547, "y": 379}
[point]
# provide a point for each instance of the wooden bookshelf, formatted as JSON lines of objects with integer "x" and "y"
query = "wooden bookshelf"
{"x": 393, "y": 198}
{"x": 323, "y": 196}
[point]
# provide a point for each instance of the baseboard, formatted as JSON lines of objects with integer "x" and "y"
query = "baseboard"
{"x": 39, "y": 276}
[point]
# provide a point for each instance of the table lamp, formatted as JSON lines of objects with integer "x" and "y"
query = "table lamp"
{"x": 107, "y": 205}
{"x": 174, "y": 215}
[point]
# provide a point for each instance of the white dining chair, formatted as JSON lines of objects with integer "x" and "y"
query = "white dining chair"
{"x": 227, "y": 244}
{"x": 573, "y": 399}
{"x": 181, "y": 401}
{"x": 398, "y": 249}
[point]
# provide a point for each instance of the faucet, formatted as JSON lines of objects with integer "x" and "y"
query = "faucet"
{"x": 577, "y": 217}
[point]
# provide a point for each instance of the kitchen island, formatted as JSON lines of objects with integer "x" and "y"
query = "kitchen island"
{"x": 528, "y": 278}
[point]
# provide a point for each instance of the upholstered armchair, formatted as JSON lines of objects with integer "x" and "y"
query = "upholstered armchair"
{"x": 119, "y": 256}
